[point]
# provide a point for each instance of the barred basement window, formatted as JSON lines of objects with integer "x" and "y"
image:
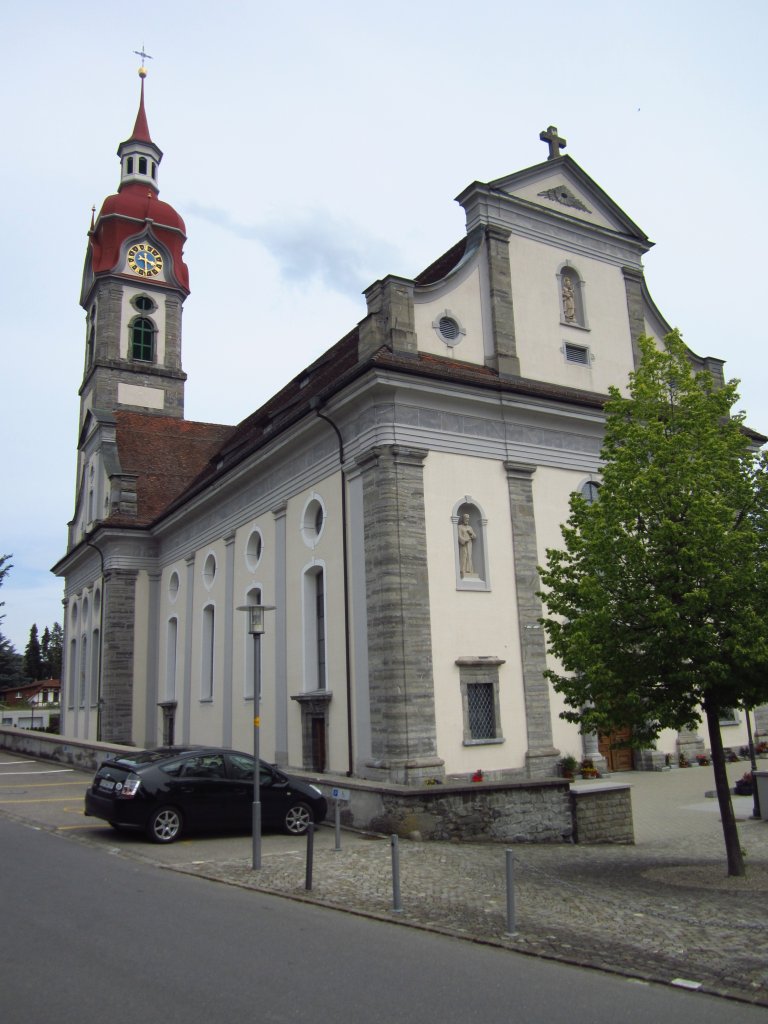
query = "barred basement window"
{"x": 479, "y": 682}
{"x": 480, "y": 707}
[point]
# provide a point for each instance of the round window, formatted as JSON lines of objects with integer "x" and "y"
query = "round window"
{"x": 253, "y": 549}
{"x": 449, "y": 328}
{"x": 144, "y": 303}
{"x": 173, "y": 586}
{"x": 313, "y": 521}
{"x": 209, "y": 570}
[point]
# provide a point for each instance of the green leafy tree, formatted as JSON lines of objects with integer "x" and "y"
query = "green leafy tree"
{"x": 33, "y": 662}
{"x": 656, "y": 604}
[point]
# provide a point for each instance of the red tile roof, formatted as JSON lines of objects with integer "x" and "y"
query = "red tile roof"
{"x": 166, "y": 454}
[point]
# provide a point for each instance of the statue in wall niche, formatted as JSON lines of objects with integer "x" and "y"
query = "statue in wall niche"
{"x": 569, "y": 299}
{"x": 466, "y": 536}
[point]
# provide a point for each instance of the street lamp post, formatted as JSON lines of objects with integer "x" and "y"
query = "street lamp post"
{"x": 753, "y": 762}
{"x": 256, "y": 629}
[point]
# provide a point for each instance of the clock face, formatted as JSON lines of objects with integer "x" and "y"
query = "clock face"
{"x": 144, "y": 260}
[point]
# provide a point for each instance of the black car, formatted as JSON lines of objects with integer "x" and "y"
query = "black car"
{"x": 172, "y": 789}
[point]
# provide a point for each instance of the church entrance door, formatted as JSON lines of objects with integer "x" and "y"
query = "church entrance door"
{"x": 318, "y": 743}
{"x": 618, "y": 758}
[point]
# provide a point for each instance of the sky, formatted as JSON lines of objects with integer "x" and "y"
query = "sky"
{"x": 314, "y": 148}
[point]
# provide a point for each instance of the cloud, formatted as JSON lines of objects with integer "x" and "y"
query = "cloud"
{"x": 313, "y": 246}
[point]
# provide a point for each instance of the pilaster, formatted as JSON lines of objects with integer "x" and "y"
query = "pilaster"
{"x": 401, "y": 685}
{"x": 633, "y": 281}
{"x": 541, "y": 754}
{"x": 391, "y": 320}
{"x": 504, "y": 359}
{"x": 118, "y": 646}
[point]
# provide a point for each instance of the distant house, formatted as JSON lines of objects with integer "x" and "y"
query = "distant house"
{"x": 33, "y": 705}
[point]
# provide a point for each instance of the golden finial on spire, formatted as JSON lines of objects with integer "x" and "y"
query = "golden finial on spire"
{"x": 144, "y": 57}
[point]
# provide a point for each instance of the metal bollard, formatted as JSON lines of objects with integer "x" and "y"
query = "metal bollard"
{"x": 397, "y": 905}
{"x": 511, "y": 923}
{"x": 310, "y": 855}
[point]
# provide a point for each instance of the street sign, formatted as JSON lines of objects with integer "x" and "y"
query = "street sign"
{"x": 339, "y": 794}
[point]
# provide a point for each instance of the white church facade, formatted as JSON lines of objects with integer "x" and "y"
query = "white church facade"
{"x": 390, "y": 505}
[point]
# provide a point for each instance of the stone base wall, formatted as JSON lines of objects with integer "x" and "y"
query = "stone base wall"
{"x": 517, "y": 813}
{"x": 546, "y": 811}
{"x": 603, "y": 815}
{"x": 84, "y": 754}
{"x": 647, "y": 760}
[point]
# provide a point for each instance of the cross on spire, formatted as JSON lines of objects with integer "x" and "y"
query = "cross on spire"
{"x": 553, "y": 140}
{"x": 144, "y": 58}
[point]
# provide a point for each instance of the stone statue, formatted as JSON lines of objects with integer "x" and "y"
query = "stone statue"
{"x": 569, "y": 299}
{"x": 466, "y": 536}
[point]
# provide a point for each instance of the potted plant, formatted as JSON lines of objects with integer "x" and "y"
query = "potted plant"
{"x": 702, "y": 759}
{"x": 683, "y": 761}
{"x": 568, "y": 765}
{"x": 745, "y": 786}
{"x": 588, "y": 770}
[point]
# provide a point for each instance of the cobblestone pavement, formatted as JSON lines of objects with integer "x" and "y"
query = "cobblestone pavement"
{"x": 663, "y": 909}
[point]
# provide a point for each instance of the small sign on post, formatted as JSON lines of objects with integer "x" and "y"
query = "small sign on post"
{"x": 338, "y": 796}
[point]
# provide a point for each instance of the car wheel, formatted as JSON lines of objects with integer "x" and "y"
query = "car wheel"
{"x": 164, "y": 825}
{"x": 297, "y": 819}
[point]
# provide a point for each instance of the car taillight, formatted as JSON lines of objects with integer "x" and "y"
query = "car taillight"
{"x": 129, "y": 788}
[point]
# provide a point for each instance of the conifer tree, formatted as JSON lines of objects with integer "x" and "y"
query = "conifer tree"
{"x": 32, "y": 658}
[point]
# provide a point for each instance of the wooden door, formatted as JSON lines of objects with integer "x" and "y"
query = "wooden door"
{"x": 318, "y": 743}
{"x": 618, "y": 757}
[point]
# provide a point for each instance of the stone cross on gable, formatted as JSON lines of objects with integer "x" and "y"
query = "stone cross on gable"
{"x": 553, "y": 140}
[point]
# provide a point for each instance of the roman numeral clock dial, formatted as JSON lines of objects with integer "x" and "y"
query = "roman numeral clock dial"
{"x": 145, "y": 260}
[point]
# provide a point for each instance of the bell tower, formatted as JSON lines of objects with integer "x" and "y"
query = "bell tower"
{"x": 135, "y": 282}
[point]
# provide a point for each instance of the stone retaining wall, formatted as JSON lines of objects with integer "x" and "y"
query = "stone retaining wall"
{"x": 540, "y": 811}
{"x": 84, "y": 754}
{"x": 602, "y": 815}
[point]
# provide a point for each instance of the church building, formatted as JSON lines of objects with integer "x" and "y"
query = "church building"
{"x": 389, "y": 506}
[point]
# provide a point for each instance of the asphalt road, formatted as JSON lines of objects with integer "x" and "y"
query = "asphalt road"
{"x": 94, "y": 929}
{"x": 91, "y": 936}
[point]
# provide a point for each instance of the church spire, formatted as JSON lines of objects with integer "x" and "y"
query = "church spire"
{"x": 141, "y": 128}
{"x": 139, "y": 156}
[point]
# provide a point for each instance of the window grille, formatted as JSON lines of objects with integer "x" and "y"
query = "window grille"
{"x": 481, "y": 709}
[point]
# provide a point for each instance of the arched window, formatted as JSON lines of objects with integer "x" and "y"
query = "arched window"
{"x": 143, "y": 339}
{"x": 206, "y": 667}
{"x": 315, "y": 668}
{"x": 170, "y": 659}
{"x": 590, "y": 491}
{"x": 83, "y": 669}
{"x": 95, "y": 650}
{"x": 572, "y": 310}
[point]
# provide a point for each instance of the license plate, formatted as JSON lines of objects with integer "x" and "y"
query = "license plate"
{"x": 106, "y": 784}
